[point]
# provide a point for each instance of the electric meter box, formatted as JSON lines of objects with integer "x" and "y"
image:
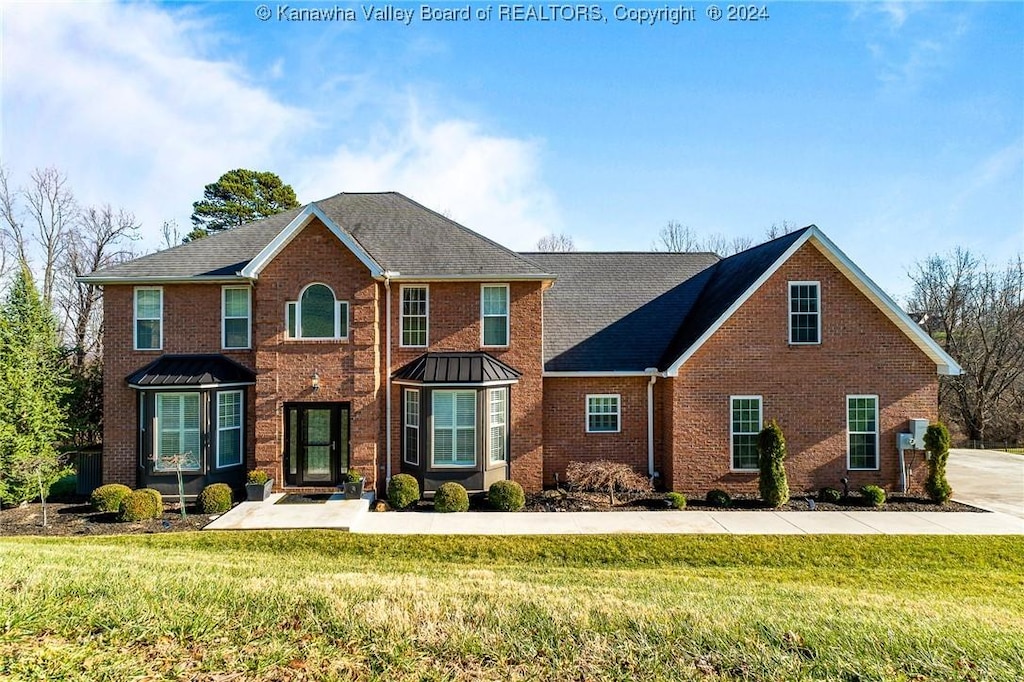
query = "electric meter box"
{"x": 917, "y": 429}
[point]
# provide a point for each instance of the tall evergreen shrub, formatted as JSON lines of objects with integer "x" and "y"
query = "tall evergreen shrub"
{"x": 771, "y": 451}
{"x": 936, "y": 442}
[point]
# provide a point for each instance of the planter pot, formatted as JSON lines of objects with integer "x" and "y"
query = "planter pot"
{"x": 354, "y": 491}
{"x": 257, "y": 493}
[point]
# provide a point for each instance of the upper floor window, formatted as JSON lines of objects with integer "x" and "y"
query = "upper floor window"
{"x": 149, "y": 318}
{"x": 804, "y": 312}
{"x": 414, "y": 316}
{"x": 745, "y": 424}
{"x": 317, "y": 315}
{"x": 236, "y": 309}
{"x": 494, "y": 314}
{"x": 862, "y": 431}
{"x": 603, "y": 413}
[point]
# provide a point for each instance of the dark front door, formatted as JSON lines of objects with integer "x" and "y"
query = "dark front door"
{"x": 316, "y": 437}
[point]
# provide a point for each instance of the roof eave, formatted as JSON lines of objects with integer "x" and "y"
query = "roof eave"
{"x": 159, "y": 279}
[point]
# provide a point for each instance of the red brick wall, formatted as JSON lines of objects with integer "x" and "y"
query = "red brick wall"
{"x": 803, "y": 387}
{"x": 192, "y": 324}
{"x": 454, "y": 325}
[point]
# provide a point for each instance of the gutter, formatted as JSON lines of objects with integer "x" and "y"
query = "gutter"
{"x": 388, "y": 276}
{"x": 654, "y": 373}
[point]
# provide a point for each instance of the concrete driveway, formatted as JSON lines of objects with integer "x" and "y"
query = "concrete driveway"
{"x": 987, "y": 479}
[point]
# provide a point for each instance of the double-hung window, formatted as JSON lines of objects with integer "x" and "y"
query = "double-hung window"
{"x": 494, "y": 314}
{"x": 414, "y": 316}
{"x": 149, "y": 318}
{"x": 411, "y": 446}
{"x": 229, "y": 428}
{"x": 862, "y": 431}
{"x": 804, "y": 313}
{"x": 745, "y": 425}
{"x": 317, "y": 315}
{"x": 178, "y": 427}
{"x": 497, "y": 401}
{"x": 236, "y": 309}
{"x": 454, "y": 428}
{"x": 603, "y": 413}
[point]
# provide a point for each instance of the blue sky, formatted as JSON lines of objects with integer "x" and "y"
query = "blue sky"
{"x": 898, "y": 128}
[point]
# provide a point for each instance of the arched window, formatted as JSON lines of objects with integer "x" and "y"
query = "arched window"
{"x": 317, "y": 315}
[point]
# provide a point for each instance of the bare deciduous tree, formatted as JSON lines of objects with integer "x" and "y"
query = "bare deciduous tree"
{"x": 776, "y": 230}
{"x": 170, "y": 234}
{"x": 13, "y": 229}
{"x": 561, "y": 243}
{"x": 977, "y": 314}
{"x": 52, "y": 209}
{"x": 678, "y": 238}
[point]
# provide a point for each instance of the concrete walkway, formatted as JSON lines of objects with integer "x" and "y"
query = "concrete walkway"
{"x": 987, "y": 479}
{"x": 338, "y": 514}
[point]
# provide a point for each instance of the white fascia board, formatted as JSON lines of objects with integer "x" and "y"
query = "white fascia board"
{"x": 270, "y": 251}
{"x": 945, "y": 364}
{"x": 673, "y": 369}
{"x": 594, "y": 375}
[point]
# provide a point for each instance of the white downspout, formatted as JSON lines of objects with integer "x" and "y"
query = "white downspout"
{"x": 387, "y": 375}
{"x": 653, "y": 371}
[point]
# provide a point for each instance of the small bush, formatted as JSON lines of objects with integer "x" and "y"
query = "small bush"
{"x": 605, "y": 476}
{"x": 139, "y": 505}
{"x": 936, "y": 442}
{"x": 215, "y": 498}
{"x": 63, "y": 488}
{"x": 158, "y": 500}
{"x": 403, "y": 491}
{"x": 677, "y": 500}
{"x": 108, "y": 498}
{"x": 719, "y": 498}
{"x": 257, "y": 477}
{"x": 353, "y": 476}
{"x": 771, "y": 451}
{"x": 506, "y": 496}
{"x": 451, "y": 497}
{"x": 829, "y": 495}
{"x": 873, "y": 495}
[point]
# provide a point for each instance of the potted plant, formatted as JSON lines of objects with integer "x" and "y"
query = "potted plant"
{"x": 258, "y": 485}
{"x": 353, "y": 485}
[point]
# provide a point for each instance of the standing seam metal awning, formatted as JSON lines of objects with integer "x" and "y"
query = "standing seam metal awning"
{"x": 457, "y": 368}
{"x": 191, "y": 370}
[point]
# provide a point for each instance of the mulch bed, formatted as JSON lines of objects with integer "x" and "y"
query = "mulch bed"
{"x": 78, "y": 518}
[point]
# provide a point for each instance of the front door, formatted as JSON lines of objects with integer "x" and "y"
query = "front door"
{"x": 316, "y": 437}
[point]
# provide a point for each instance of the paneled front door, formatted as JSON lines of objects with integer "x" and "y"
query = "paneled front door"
{"x": 316, "y": 443}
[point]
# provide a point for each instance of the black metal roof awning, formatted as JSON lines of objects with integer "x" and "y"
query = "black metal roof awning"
{"x": 457, "y": 368}
{"x": 191, "y": 371}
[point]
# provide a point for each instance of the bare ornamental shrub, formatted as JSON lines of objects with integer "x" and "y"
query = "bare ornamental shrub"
{"x": 606, "y": 477}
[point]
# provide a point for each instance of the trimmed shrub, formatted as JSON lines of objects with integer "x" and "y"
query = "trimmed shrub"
{"x": 108, "y": 498}
{"x": 158, "y": 500}
{"x": 936, "y": 442}
{"x": 403, "y": 491}
{"x": 506, "y": 496}
{"x": 139, "y": 505}
{"x": 64, "y": 488}
{"x": 215, "y": 498}
{"x": 718, "y": 498}
{"x": 829, "y": 495}
{"x": 771, "y": 451}
{"x": 451, "y": 497}
{"x": 677, "y": 500}
{"x": 873, "y": 495}
{"x": 604, "y": 476}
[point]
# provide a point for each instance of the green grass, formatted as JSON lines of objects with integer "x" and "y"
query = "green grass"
{"x": 318, "y": 605}
{"x": 1014, "y": 451}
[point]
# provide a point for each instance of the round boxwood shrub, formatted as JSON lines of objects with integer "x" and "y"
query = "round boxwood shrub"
{"x": 829, "y": 495}
{"x": 403, "y": 491}
{"x": 108, "y": 498}
{"x": 139, "y": 505}
{"x": 158, "y": 500}
{"x": 719, "y": 498}
{"x": 451, "y": 497}
{"x": 215, "y": 498}
{"x": 873, "y": 495}
{"x": 677, "y": 500}
{"x": 506, "y": 496}
{"x": 63, "y": 488}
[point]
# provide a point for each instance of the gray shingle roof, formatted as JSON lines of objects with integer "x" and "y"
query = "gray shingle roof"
{"x": 398, "y": 233}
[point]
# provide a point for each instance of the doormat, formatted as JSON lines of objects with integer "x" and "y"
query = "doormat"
{"x": 313, "y": 498}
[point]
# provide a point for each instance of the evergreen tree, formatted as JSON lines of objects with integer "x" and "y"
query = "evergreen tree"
{"x": 240, "y": 196}
{"x": 771, "y": 451}
{"x": 33, "y": 381}
{"x": 936, "y": 442}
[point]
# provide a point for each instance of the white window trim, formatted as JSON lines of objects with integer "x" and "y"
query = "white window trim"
{"x": 732, "y": 426}
{"x": 618, "y": 411}
{"x": 136, "y": 318}
{"x": 789, "y": 318}
{"x": 406, "y": 425}
{"x": 878, "y": 429}
{"x": 337, "y": 317}
{"x": 224, "y": 318}
{"x": 401, "y": 315}
{"x": 504, "y": 427}
{"x": 455, "y": 431}
{"x": 240, "y": 427}
{"x": 507, "y": 316}
{"x": 159, "y": 429}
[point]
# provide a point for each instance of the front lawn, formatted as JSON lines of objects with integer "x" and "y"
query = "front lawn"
{"x": 319, "y": 605}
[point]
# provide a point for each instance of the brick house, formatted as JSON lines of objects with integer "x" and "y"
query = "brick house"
{"x": 366, "y": 331}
